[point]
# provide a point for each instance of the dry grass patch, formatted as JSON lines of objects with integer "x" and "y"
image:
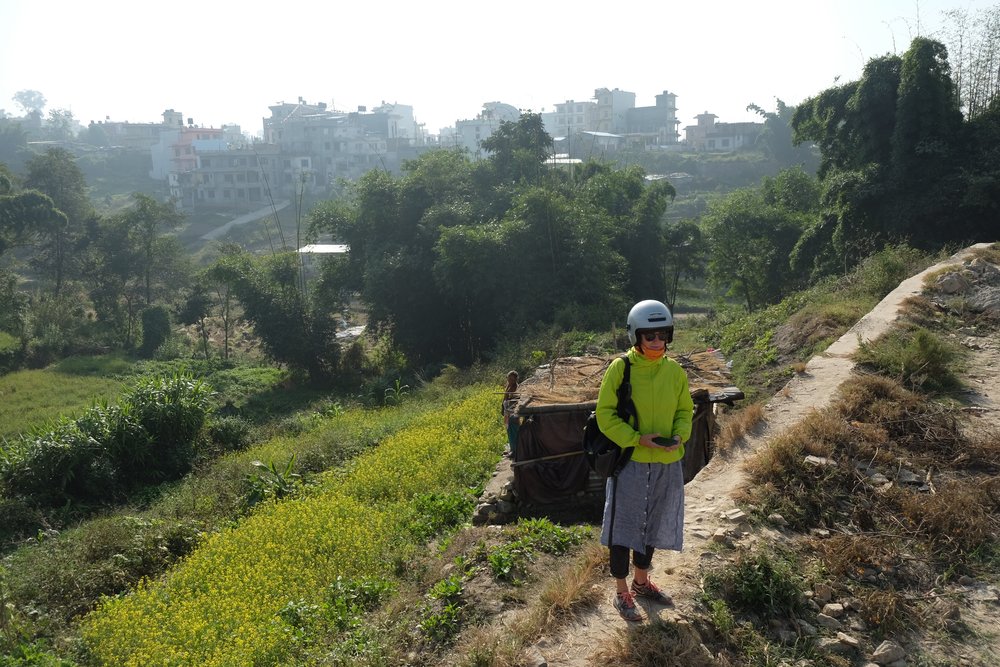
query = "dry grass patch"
{"x": 921, "y": 311}
{"x": 658, "y": 644}
{"x": 990, "y": 254}
{"x": 959, "y": 521}
{"x": 982, "y": 449}
{"x": 888, "y": 611}
{"x": 563, "y": 590}
{"x": 805, "y": 491}
{"x": 922, "y": 428}
{"x": 735, "y": 424}
{"x": 849, "y": 555}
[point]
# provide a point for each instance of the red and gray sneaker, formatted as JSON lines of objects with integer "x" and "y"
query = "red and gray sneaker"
{"x": 650, "y": 591}
{"x": 625, "y": 604}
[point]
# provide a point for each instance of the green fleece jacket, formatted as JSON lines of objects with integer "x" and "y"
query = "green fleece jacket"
{"x": 662, "y": 399}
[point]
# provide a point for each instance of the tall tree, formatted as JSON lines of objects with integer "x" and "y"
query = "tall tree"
{"x": 30, "y": 101}
{"x": 518, "y": 150}
{"x": 684, "y": 256}
{"x": 925, "y": 141}
{"x": 291, "y": 330}
{"x": 60, "y": 125}
{"x": 750, "y": 244}
{"x": 13, "y": 144}
{"x": 56, "y": 174}
{"x": 150, "y": 220}
{"x": 777, "y": 141}
{"x": 974, "y": 53}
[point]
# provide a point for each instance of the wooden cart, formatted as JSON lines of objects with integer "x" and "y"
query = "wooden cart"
{"x": 553, "y": 405}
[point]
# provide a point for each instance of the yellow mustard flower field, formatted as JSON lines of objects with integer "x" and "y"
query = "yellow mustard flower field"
{"x": 221, "y": 605}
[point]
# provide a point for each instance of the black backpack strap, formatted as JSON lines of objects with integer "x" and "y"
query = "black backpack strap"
{"x": 626, "y": 407}
{"x": 627, "y": 413}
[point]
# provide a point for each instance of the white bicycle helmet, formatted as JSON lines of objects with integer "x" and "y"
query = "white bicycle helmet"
{"x": 649, "y": 314}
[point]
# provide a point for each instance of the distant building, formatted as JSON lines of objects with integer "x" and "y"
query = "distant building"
{"x": 175, "y": 154}
{"x": 612, "y": 121}
{"x": 469, "y": 133}
{"x": 655, "y": 125}
{"x": 707, "y": 135}
{"x": 612, "y": 110}
{"x": 570, "y": 117}
{"x": 342, "y": 144}
{"x": 248, "y": 178}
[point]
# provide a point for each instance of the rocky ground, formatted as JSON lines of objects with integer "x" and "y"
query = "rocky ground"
{"x": 712, "y": 514}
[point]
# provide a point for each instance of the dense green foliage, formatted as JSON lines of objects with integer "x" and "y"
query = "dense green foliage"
{"x": 147, "y": 436}
{"x": 292, "y": 328}
{"x": 899, "y": 162}
{"x": 453, "y": 256}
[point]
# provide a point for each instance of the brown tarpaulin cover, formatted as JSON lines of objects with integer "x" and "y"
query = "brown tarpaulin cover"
{"x": 554, "y": 404}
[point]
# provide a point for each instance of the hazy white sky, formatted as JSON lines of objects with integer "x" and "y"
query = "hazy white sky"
{"x": 222, "y": 61}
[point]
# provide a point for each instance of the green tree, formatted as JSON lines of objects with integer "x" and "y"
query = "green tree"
{"x": 13, "y": 143}
{"x": 155, "y": 329}
{"x": 60, "y": 125}
{"x": 25, "y": 213}
{"x": 974, "y": 51}
{"x": 634, "y": 210}
{"x": 777, "y": 141}
{"x": 392, "y": 226}
{"x": 750, "y": 244}
{"x": 924, "y": 144}
{"x": 196, "y": 309}
{"x": 56, "y": 174}
{"x": 151, "y": 221}
{"x": 112, "y": 269}
{"x": 518, "y": 150}
{"x": 684, "y": 256}
{"x": 895, "y": 161}
{"x": 290, "y": 329}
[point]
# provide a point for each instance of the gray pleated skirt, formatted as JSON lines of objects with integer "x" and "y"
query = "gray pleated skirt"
{"x": 649, "y": 507}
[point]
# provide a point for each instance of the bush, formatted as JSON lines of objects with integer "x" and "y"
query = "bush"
{"x": 916, "y": 358}
{"x": 55, "y": 466}
{"x": 173, "y": 411}
{"x": 155, "y": 329}
{"x": 230, "y": 433}
{"x": 148, "y": 437}
{"x": 759, "y": 582}
{"x": 882, "y": 272}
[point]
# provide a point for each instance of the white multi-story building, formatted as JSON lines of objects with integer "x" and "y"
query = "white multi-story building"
{"x": 570, "y": 117}
{"x": 469, "y": 134}
{"x": 612, "y": 109}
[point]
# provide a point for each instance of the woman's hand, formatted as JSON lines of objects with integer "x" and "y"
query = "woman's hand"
{"x": 649, "y": 440}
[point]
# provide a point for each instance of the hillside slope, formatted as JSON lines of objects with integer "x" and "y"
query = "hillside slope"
{"x": 597, "y": 634}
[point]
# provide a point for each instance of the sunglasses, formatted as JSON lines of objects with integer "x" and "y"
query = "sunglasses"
{"x": 650, "y": 336}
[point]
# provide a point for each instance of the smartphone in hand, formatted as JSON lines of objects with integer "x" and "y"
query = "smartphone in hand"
{"x": 666, "y": 442}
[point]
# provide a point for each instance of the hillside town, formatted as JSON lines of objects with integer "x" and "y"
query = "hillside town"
{"x": 306, "y": 147}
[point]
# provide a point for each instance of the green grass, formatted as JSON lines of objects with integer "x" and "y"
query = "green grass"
{"x": 33, "y": 398}
{"x": 8, "y": 342}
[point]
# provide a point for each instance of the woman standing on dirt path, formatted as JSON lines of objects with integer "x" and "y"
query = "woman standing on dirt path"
{"x": 644, "y": 509}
